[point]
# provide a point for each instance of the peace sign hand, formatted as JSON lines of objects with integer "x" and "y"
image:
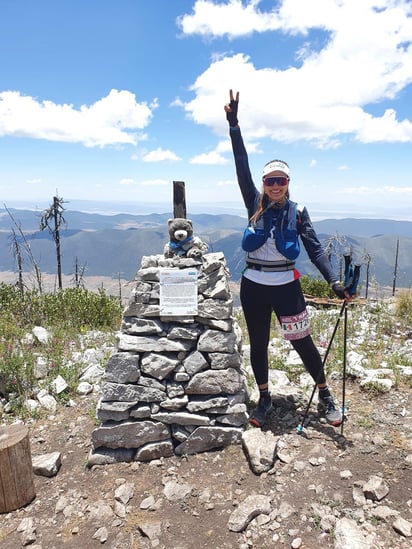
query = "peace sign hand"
{"x": 231, "y": 110}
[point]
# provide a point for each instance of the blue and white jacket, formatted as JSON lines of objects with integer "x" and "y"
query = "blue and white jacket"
{"x": 305, "y": 230}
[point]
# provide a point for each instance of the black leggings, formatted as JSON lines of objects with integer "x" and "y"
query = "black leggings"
{"x": 258, "y": 302}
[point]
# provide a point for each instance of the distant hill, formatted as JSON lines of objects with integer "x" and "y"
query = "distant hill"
{"x": 29, "y": 221}
{"x": 112, "y": 245}
{"x": 365, "y": 227}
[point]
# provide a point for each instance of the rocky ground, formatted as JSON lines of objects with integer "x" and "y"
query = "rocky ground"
{"x": 324, "y": 489}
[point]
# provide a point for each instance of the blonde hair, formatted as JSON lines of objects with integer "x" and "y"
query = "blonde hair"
{"x": 262, "y": 204}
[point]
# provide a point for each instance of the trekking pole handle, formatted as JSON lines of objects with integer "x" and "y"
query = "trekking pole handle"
{"x": 352, "y": 274}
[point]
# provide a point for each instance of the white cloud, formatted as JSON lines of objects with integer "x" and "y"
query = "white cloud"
{"x": 399, "y": 190}
{"x": 113, "y": 120}
{"x": 373, "y": 191}
{"x": 224, "y": 146}
{"x": 127, "y": 181}
{"x": 232, "y": 19}
{"x": 226, "y": 183}
{"x": 313, "y": 163}
{"x": 159, "y": 155}
{"x": 177, "y": 102}
{"x": 211, "y": 158}
{"x": 216, "y": 157}
{"x": 357, "y": 191}
{"x": 343, "y": 168}
{"x": 385, "y": 128}
{"x": 363, "y": 57}
{"x": 155, "y": 182}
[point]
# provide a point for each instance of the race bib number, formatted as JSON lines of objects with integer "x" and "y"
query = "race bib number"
{"x": 295, "y": 326}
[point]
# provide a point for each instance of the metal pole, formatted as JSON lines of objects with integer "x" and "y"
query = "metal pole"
{"x": 345, "y": 332}
{"x": 300, "y": 427}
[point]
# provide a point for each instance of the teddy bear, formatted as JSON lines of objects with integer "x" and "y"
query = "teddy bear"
{"x": 182, "y": 242}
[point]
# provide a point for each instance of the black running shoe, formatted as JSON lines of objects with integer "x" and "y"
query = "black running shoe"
{"x": 260, "y": 413}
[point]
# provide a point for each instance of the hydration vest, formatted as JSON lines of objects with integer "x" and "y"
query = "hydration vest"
{"x": 282, "y": 223}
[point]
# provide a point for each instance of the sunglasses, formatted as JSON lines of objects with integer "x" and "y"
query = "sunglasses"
{"x": 275, "y": 180}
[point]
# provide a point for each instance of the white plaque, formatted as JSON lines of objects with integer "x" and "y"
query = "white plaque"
{"x": 178, "y": 292}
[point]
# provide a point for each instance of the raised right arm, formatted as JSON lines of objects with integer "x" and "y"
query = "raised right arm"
{"x": 250, "y": 193}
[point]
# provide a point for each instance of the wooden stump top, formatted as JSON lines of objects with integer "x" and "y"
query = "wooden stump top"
{"x": 12, "y": 435}
{"x": 16, "y": 469}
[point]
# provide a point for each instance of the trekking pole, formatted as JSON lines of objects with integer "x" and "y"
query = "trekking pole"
{"x": 345, "y": 333}
{"x": 352, "y": 274}
{"x": 352, "y": 288}
{"x": 299, "y": 428}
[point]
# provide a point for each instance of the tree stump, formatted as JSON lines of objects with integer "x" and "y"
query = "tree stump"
{"x": 16, "y": 470}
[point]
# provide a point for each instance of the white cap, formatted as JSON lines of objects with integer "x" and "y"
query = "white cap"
{"x": 275, "y": 166}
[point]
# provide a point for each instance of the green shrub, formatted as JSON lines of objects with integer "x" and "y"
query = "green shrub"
{"x": 66, "y": 314}
{"x": 16, "y": 366}
{"x": 316, "y": 287}
{"x": 403, "y": 306}
{"x": 74, "y": 307}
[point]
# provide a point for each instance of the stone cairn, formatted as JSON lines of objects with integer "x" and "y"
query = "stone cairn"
{"x": 175, "y": 385}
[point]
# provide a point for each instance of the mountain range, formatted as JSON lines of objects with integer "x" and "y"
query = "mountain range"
{"x": 113, "y": 245}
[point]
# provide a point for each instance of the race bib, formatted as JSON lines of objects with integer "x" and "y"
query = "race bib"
{"x": 295, "y": 326}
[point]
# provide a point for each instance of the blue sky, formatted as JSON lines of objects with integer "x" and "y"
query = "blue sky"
{"x": 112, "y": 100}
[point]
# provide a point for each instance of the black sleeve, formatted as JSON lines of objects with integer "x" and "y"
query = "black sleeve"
{"x": 314, "y": 248}
{"x": 250, "y": 193}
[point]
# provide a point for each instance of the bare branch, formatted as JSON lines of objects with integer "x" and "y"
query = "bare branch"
{"x": 28, "y": 250}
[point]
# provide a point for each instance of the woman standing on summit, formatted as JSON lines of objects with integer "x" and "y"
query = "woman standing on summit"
{"x": 270, "y": 281}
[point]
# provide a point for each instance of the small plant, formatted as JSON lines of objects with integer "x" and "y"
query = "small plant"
{"x": 329, "y": 502}
{"x": 92, "y": 414}
{"x": 250, "y": 380}
{"x": 374, "y": 389}
{"x": 16, "y": 366}
{"x": 276, "y": 363}
{"x": 365, "y": 421}
{"x": 317, "y": 519}
{"x": 403, "y": 306}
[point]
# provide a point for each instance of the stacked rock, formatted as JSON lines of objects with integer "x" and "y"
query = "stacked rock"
{"x": 175, "y": 384}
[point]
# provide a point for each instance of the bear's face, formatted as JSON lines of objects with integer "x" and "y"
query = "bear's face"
{"x": 180, "y": 229}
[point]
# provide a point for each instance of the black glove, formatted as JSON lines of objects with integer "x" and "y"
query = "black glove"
{"x": 339, "y": 290}
{"x": 231, "y": 115}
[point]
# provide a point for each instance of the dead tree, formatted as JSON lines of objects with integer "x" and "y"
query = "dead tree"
{"x": 28, "y": 251}
{"x": 395, "y": 270}
{"x": 368, "y": 260}
{"x": 79, "y": 274}
{"x": 120, "y": 287}
{"x": 18, "y": 256}
{"x": 52, "y": 219}
{"x": 333, "y": 246}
